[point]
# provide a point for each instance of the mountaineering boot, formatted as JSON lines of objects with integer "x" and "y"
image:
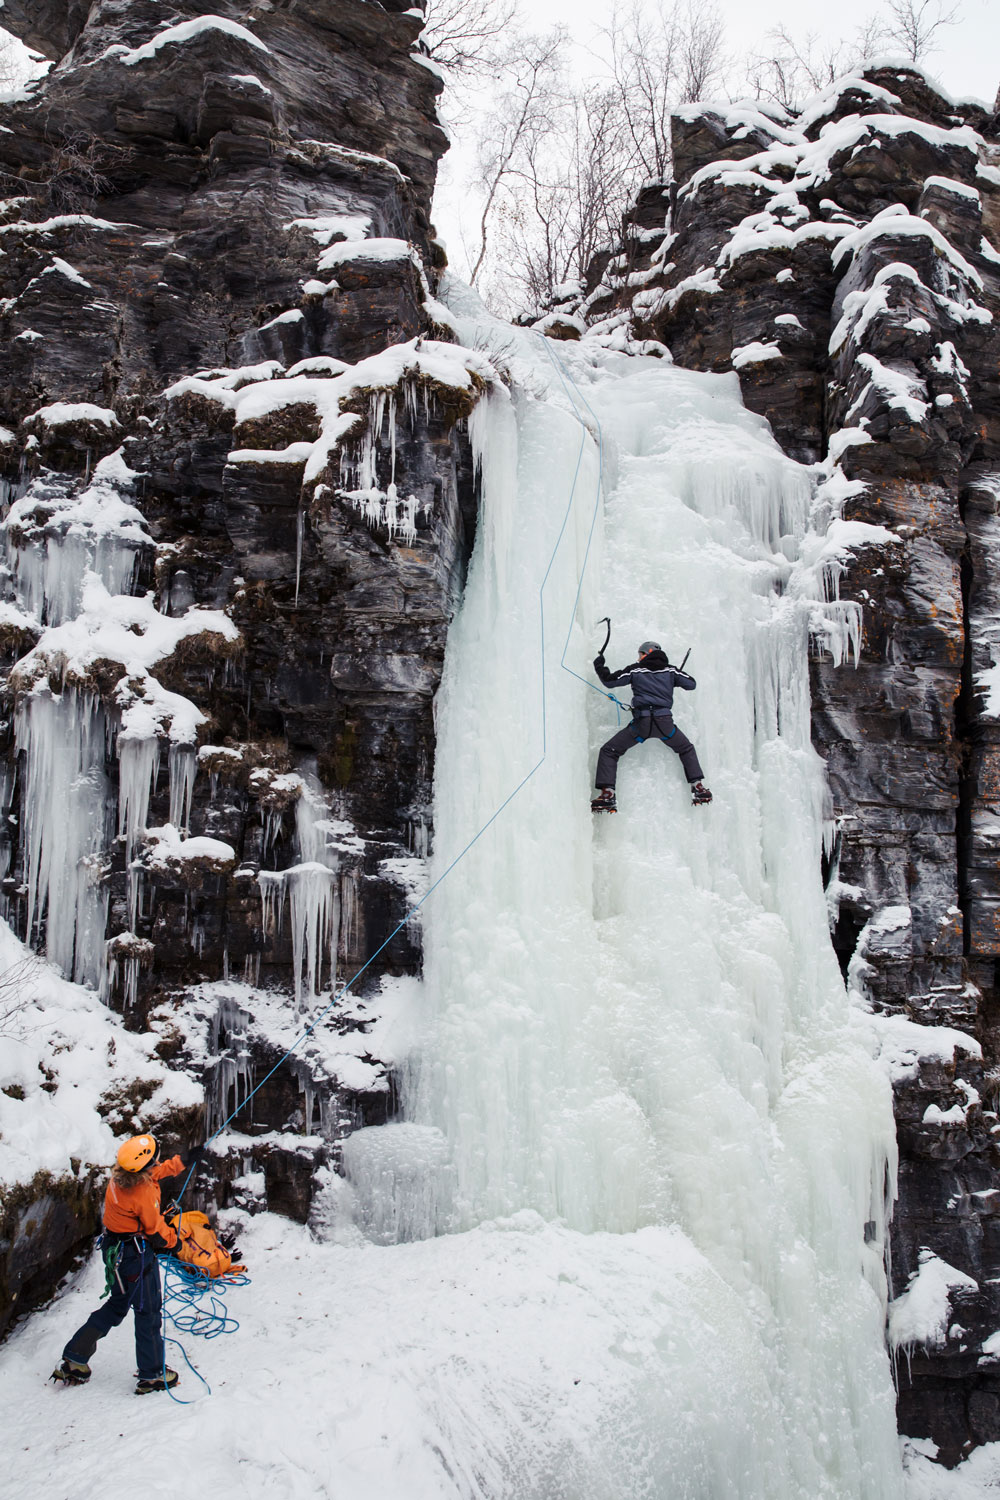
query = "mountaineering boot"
{"x": 162, "y": 1382}
{"x": 70, "y": 1372}
{"x": 699, "y": 793}
{"x": 605, "y": 800}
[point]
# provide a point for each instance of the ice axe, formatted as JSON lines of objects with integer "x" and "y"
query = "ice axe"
{"x": 605, "y": 620}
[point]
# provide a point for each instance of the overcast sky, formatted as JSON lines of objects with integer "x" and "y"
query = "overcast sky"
{"x": 968, "y": 62}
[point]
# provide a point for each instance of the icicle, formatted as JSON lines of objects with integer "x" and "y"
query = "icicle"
{"x": 350, "y": 911}
{"x": 183, "y": 765}
{"x": 65, "y": 807}
{"x": 138, "y": 761}
{"x": 314, "y": 915}
{"x": 48, "y": 572}
{"x": 272, "y": 827}
{"x": 232, "y": 1078}
{"x": 300, "y": 531}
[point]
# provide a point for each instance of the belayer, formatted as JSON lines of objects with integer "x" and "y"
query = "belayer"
{"x": 135, "y": 1230}
{"x": 652, "y": 680}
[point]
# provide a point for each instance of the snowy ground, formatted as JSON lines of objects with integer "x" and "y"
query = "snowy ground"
{"x": 515, "y": 1359}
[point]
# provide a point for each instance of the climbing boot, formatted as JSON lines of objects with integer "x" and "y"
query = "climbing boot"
{"x": 71, "y": 1372}
{"x": 605, "y": 800}
{"x": 164, "y": 1382}
{"x": 700, "y": 793}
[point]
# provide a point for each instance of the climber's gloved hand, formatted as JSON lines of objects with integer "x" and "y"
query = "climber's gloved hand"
{"x": 193, "y": 1157}
{"x": 599, "y": 659}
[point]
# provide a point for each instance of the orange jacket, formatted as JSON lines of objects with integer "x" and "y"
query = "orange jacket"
{"x": 137, "y": 1210}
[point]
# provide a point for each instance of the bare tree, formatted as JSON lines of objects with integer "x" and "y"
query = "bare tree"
{"x": 464, "y": 36}
{"x": 521, "y": 118}
{"x": 795, "y": 66}
{"x": 645, "y": 59}
{"x": 660, "y": 56}
{"x": 560, "y": 162}
{"x": 18, "y": 987}
{"x": 703, "y": 55}
{"x": 914, "y": 25}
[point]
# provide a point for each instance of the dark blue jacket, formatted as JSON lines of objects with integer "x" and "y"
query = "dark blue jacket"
{"x": 652, "y": 682}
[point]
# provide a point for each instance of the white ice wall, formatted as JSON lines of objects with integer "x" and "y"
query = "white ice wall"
{"x": 641, "y": 1022}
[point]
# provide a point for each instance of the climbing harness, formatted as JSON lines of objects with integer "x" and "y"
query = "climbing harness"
{"x": 651, "y": 724}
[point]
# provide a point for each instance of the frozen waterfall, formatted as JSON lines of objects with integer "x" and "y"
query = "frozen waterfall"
{"x": 637, "y": 1047}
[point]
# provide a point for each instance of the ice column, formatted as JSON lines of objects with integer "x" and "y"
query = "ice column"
{"x": 183, "y": 766}
{"x": 313, "y": 892}
{"x": 138, "y": 761}
{"x": 65, "y": 809}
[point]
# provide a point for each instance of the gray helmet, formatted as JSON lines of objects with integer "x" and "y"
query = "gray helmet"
{"x": 649, "y": 646}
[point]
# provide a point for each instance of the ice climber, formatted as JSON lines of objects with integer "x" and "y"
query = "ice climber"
{"x": 134, "y": 1232}
{"x": 652, "y": 680}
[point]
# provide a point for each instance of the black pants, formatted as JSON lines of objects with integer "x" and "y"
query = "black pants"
{"x": 645, "y": 727}
{"x": 139, "y": 1292}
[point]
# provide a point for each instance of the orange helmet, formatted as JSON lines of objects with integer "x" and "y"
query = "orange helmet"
{"x": 137, "y": 1153}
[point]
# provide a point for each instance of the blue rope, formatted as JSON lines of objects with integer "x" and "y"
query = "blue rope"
{"x": 562, "y": 372}
{"x": 413, "y": 910}
{"x": 194, "y": 1302}
{"x": 192, "y": 1319}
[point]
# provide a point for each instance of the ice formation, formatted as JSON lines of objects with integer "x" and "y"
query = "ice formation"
{"x": 313, "y": 892}
{"x": 66, "y": 808}
{"x": 643, "y": 1024}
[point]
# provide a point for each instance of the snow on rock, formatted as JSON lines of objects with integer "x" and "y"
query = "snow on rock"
{"x": 68, "y": 1070}
{"x": 958, "y": 1114}
{"x": 922, "y": 1314}
{"x": 952, "y": 185}
{"x": 69, "y": 413}
{"x": 925, "y": 1479}
{"x": 55, "y": 536}
{"x": 756, "y": 353}
{"x": 380, "y": 251}
{"x": 897, "y": 222}
{"x": 340, "y": 226}
{"x": 899, "y": 389}
{"x": 132, "y": 632}
{"x": 63, "y": 268}
{"x": 822, "y": 104}
{"x": 166, "y": 848}
{"x": 184, "y": 31}
{"x": 903, "y": 1045}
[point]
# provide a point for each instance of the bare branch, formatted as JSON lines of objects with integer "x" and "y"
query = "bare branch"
{"x": 18, "y": 986}
{"x": 464, "y": 36}
{"x": 914, "y": 25}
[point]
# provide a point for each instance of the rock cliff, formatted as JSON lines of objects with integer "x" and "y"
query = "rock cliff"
{"x": 845, "y": 261}
{"x": 240, "y": 500}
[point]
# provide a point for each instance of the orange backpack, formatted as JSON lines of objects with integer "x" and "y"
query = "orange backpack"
{"x": 199, "y": 1245}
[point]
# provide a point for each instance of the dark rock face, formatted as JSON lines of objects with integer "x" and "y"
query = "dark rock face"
{"x": 242, "y": 502}
{"x": 42, "y": 1227}
{"x": 846, "y": 262}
